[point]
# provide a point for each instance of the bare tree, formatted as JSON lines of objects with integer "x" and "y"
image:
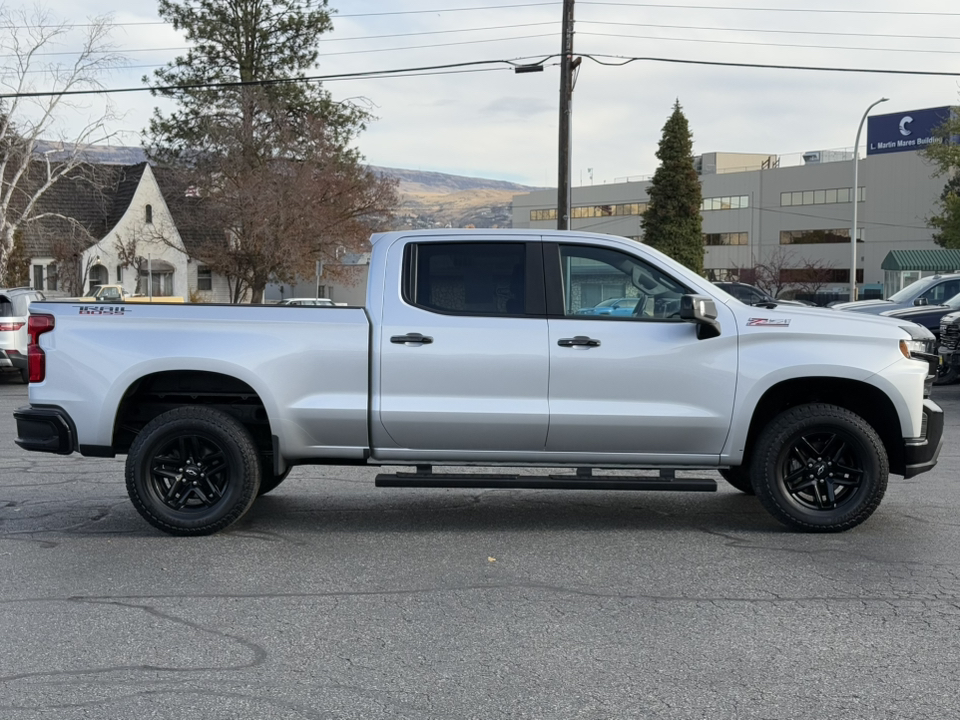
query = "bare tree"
{"x": 782, "y": 270}
{"x": 35, "y": 151}
{"x": 128, "y": 255}
{"x": 272, "y": 218}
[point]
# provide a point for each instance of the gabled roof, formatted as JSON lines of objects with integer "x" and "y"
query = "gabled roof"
{"x": 944, "y": 260}
{"x": 87, "y": 203}
{"x": 198, "y": 225}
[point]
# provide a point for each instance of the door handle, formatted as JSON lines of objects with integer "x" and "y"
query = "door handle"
{"x": 578, "y": 341}
{"x": 411, "y": 338}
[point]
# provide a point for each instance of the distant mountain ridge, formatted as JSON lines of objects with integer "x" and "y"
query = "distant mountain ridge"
{"x": 428, "y": 198}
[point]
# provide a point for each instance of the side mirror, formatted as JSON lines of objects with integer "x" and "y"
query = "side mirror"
{"x": 921, "y": 301}
{"x": 702, "y": 311}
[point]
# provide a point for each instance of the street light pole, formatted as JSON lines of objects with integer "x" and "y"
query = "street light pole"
{"x": 566, "y": 101}
{"x": 855, "y": 197}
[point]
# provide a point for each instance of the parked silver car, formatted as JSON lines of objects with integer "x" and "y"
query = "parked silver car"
{"x": 322, "y": 302}
{"x": 14, "y": 309}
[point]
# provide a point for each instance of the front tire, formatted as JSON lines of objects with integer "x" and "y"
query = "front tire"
{"x": 193, "y": 471}
{"x": 820, "y": 468}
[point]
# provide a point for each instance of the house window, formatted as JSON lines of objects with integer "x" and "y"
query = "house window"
{"x": 38, "y": 277}
{"x": 148, "y": 214}
{"x": 119, "y": 273}
{"x": 52, "y": 276}
{"x": 204, "y": 277}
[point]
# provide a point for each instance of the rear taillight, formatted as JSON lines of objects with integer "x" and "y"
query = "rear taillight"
{"x": 10, "y": 326}
{"x": 37, "y": 325}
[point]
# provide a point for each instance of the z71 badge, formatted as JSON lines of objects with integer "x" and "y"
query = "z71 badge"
{"x": 101, "y": 309}
{"x": 768, "y": 322}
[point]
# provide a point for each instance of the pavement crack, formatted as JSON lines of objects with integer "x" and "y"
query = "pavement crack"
{"x": 259, "y": 654}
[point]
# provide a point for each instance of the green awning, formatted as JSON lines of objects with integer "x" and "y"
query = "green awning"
{"x": 931, "y": 260}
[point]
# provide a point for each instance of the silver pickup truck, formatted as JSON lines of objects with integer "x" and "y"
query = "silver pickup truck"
{"x": 490, "y": 348}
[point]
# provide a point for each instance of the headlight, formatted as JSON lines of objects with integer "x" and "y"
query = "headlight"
{"x": 921, "y": 341}
{"x": 914, "y": 347}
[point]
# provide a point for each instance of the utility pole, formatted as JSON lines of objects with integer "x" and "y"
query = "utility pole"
{"x": 566, "y": 101}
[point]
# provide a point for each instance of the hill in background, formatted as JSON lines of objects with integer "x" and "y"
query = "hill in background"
{"x": 427, "y": 199}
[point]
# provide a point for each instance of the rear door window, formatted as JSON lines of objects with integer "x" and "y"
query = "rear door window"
{"x": 468, "y": 278}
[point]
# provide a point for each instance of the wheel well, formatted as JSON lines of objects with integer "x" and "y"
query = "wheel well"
{"x": 865, "y": 400}
{"x": 154, "y": 394}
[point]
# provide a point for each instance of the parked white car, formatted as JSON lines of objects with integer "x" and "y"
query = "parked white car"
{"x": 14, "y": 309}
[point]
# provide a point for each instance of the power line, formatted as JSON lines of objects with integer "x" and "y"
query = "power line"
{"x": 435, "y": 45}
{"x": 770, "y": 9}
{"x": 327, "y": 40}
{"x": 624, "y": 60}
{"x": 282, "y": 81}
{"x": 762, "y": 44}
{"x": 598, "y": 58}
{"x": 783, "y": 32}
{"x": 333, "y": 16}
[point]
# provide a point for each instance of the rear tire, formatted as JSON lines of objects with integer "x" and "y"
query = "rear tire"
{"x": 739, "y": 477}
{"x": 25, "y": 376}
{"x": 820, "y": 468}
{"x": 193, "y": 471}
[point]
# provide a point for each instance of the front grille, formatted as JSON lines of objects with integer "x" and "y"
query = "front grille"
{"x": 923, "y": 426}
{"x": 949, "y": 336}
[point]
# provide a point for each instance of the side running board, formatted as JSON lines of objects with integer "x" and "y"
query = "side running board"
{"x": 424, "y": 477}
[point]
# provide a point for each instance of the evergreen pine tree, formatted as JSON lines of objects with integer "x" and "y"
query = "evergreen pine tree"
{"x": 672, "y": 223}
{"x": 946, "y": 157}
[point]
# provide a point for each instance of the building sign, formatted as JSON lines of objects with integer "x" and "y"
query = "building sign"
{"x": 910, "y": 130}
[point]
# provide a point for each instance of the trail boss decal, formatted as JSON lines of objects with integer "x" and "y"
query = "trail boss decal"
{"x": 101, "y": 309}
{"x": 768, "y": 322}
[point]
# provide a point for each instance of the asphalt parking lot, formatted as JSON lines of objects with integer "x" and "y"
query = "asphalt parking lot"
{"x": 334, "y": 599}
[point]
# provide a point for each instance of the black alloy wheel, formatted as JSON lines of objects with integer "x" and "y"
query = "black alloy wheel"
{"x": 820, "y": 468}
{"x": 193, "y": 471}
{"x": 190, "y": 472}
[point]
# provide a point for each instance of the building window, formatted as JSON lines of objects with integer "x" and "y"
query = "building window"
{"x": 148, "y": 214}
{"x": 593, "y": 211}
{"x": 820, "y": 197}
{"x": 119, "y": 274}
{"x": 38, "y": 277}
{"x": 204, "y": 277}
{"x": 727, "y": 202}
{"x": 826, "y": 275}
{"x": 736, "y": 238}
{"x": 815, "y": 237}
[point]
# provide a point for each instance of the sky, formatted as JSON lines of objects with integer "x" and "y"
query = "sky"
{"x": 498, "y": 124}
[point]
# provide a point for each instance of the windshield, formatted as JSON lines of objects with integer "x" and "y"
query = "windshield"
{"x": 913, "y": 289}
